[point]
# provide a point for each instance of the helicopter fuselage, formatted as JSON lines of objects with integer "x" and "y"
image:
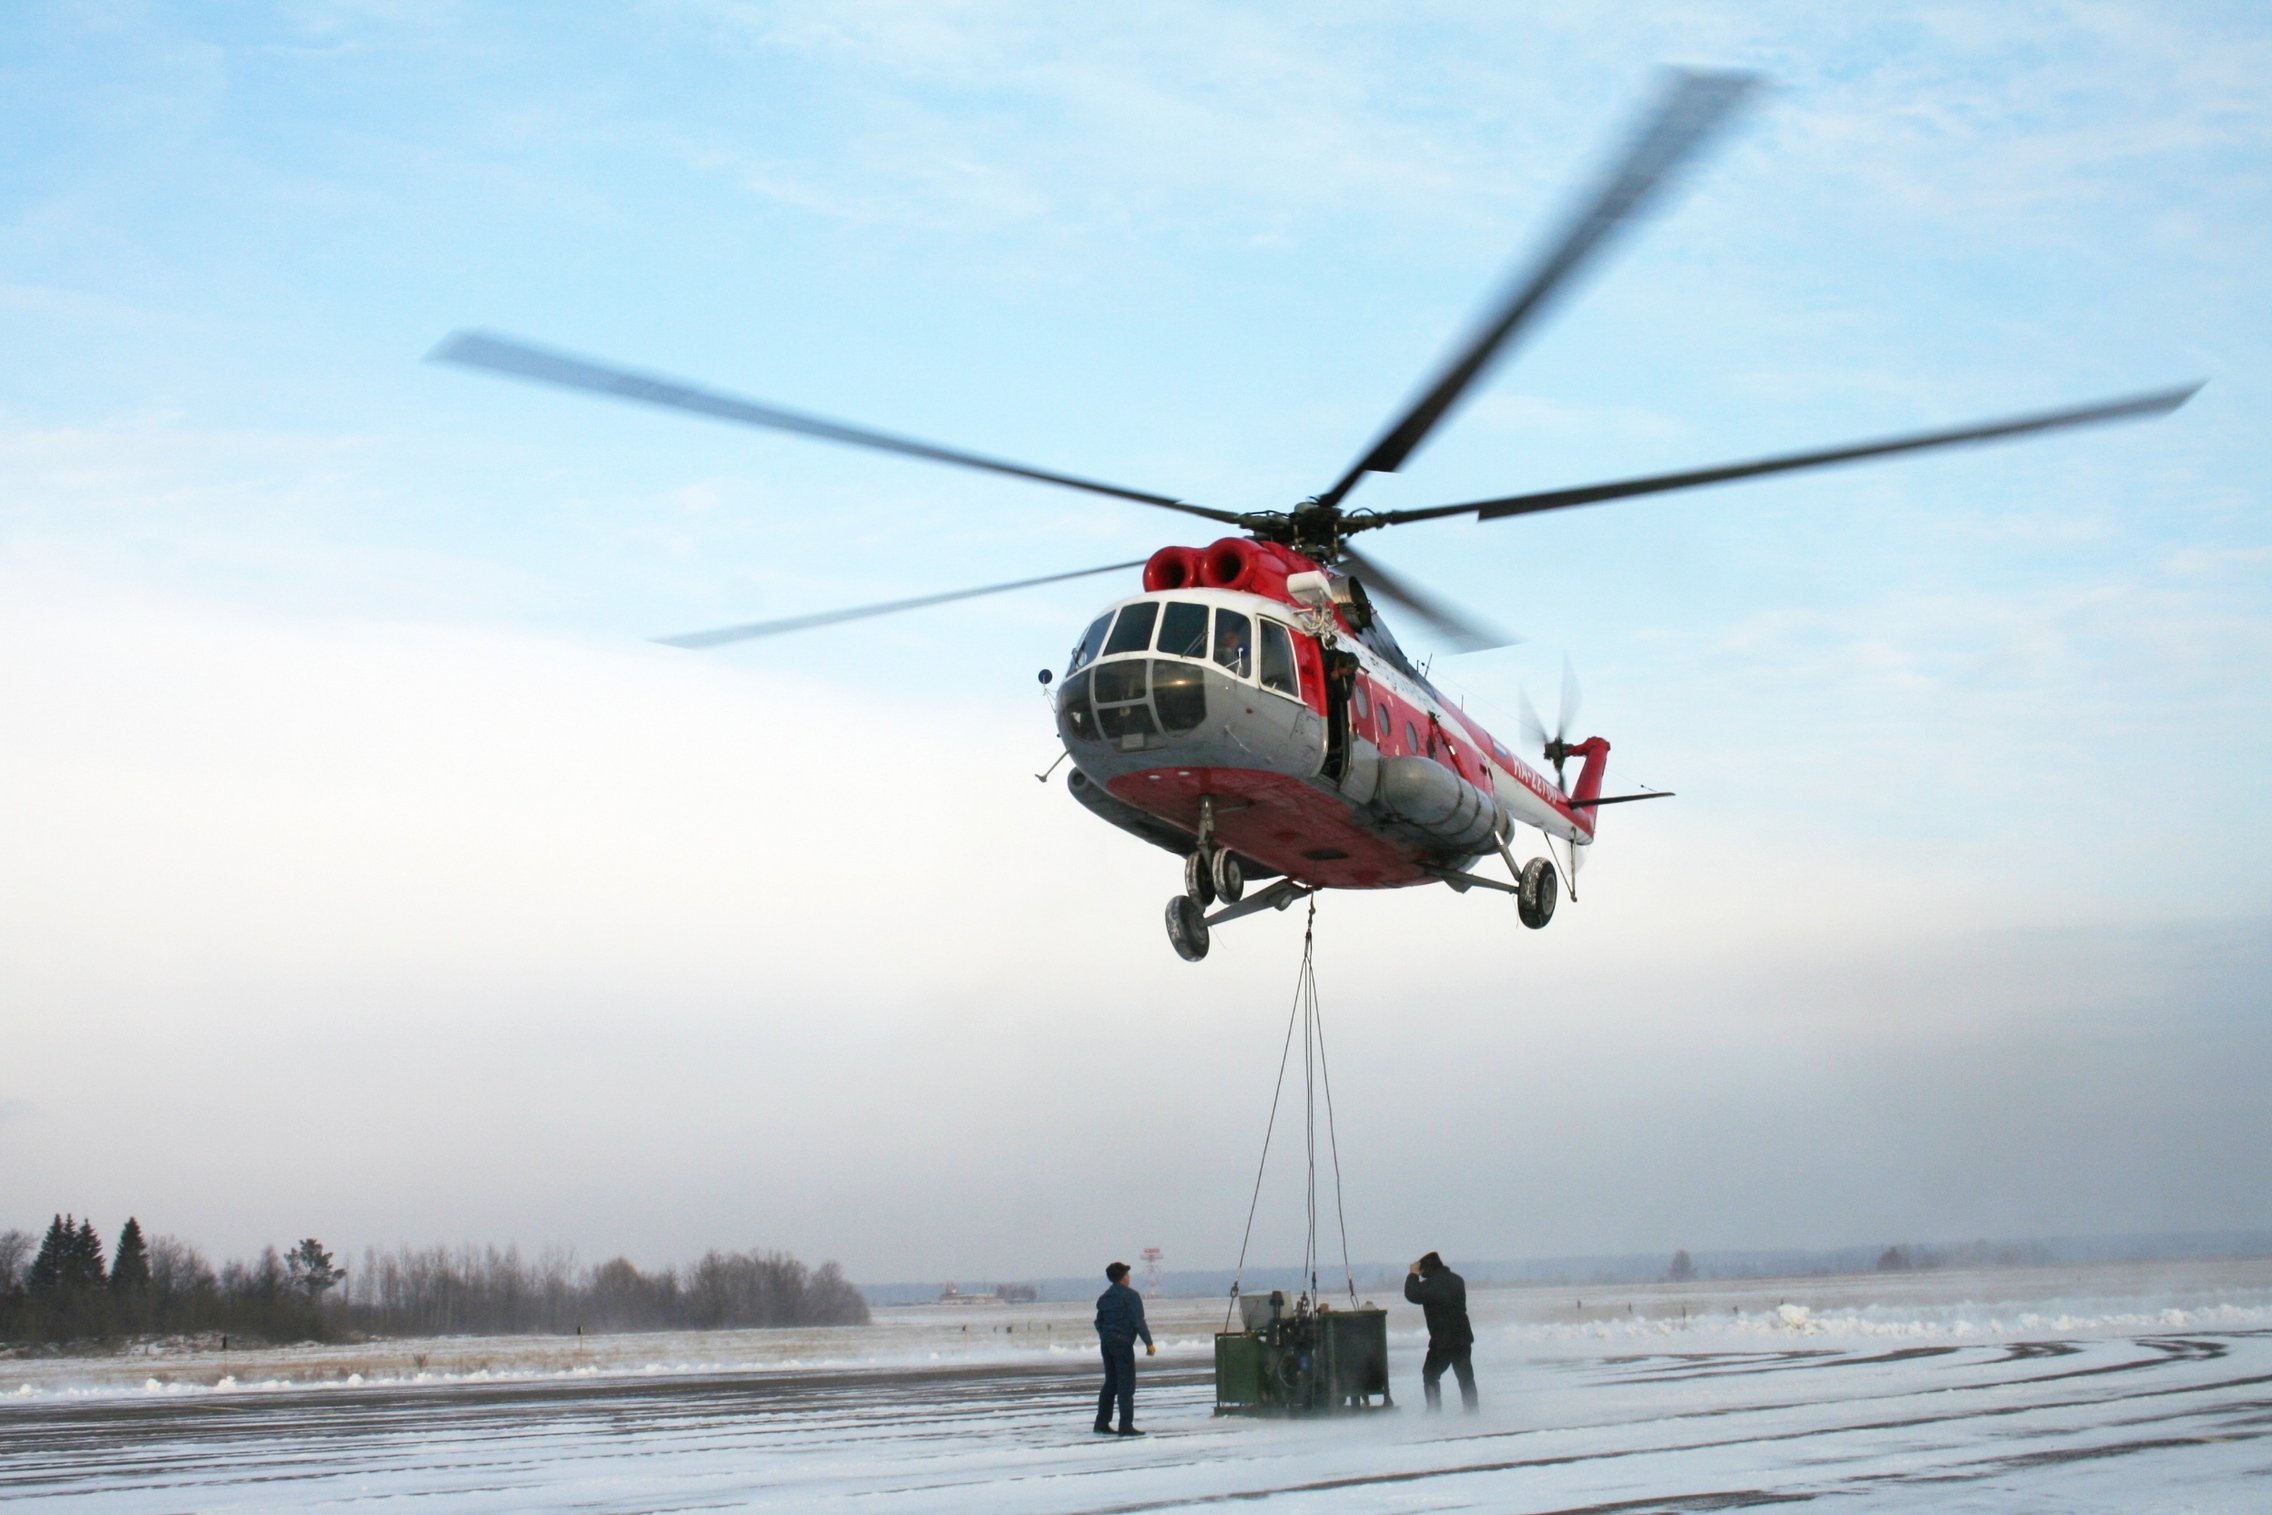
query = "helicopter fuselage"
{"x": 1253, "y": 692}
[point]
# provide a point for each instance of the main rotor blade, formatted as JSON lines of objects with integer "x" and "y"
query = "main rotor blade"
{"x": 2161, "y": 402}
{"x": 1690, "y": 108}
{"x": 1461, "y": 630}
{"x": 505, "y": 355}
{"x": 754, "y": 629}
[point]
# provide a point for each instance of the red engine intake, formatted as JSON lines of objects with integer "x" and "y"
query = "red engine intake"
{"x": 1171, "y": 568}
{"x": 1229, "y": 564}
{"x": 1233, "y": 563}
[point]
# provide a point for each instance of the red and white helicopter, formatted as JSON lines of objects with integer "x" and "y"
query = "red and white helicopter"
{"x": 1249, "y": 709}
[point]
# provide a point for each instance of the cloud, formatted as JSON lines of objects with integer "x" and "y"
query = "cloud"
{"x": 556, "y": 940}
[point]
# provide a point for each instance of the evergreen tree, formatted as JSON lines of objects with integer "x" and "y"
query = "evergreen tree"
{"x": 46, "y": 1275}
{"x": 311, "y": 1268}
{"x": 83, "y": 1267}
{"x": 130, "y": 1266}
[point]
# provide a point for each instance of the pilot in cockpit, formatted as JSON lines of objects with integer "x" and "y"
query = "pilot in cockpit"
{"x": 1232, "y": 634}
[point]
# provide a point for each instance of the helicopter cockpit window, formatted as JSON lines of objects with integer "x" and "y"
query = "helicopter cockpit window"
{"x": 1183, "y": 630}
{"x": 1119, "y": 681}
{"x": 1091, "y": 642}
{"x": 1122, "y": 713}
{"x": 1278, "y": 660}
{"x": 1179, "y": 692}
{"x": 1232, "y": 640}
{"x": 1133, "y": 631}
{"x": 1073, "y": 704}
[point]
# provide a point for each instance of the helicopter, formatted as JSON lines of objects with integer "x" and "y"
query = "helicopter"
{"x": 1248, "y": 709}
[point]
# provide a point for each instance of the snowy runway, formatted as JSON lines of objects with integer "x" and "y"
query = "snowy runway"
{"x": 1640, "y": 1415}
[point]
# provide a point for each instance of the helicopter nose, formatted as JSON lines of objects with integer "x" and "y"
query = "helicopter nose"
{"x": 1133, "y": 703}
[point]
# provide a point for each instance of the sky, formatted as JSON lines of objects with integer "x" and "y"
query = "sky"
{"x": 367, "y": 872}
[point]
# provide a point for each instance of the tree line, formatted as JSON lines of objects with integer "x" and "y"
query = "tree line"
{"x": 61, "y": 1288}
{"x": 440, "y": 1291}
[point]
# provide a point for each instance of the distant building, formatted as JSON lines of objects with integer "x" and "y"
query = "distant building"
{"x": 1000, "y": 1294}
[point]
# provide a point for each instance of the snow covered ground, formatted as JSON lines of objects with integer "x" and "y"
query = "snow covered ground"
{"x": 2103, "y": 1389}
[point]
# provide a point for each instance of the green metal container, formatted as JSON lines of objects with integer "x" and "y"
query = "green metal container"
{"x": 1238, "y": 1369}
{"x": 1302, "y": 1363}
{"x": 1356, "y": 1357}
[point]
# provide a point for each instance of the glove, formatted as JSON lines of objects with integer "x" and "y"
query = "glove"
{"x": 1151, "y": 1349}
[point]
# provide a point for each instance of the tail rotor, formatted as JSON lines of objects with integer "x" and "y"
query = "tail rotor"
{"x": 1555, "y": 747}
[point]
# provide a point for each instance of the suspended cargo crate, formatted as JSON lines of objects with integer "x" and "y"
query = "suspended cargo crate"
{"x": 1292, "y": 1360}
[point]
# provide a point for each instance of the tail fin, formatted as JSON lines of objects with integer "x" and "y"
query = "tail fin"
{"x": 1595, "y": 751}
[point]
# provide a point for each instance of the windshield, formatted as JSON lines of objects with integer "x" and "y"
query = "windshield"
{"x": 1133, "y": 631}
{"x": 1183, "y": 630}
{"x": 1086, "y": 652}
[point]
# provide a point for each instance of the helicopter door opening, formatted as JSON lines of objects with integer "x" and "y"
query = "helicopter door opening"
{"x": 1340, "y": 692}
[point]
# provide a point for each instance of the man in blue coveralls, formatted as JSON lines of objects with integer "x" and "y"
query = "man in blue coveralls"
{"x": 1120, "y": 1320}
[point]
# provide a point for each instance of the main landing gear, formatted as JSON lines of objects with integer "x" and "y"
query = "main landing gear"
{"x": 1538, "y": 888}
{"x": 1187, "y": 928}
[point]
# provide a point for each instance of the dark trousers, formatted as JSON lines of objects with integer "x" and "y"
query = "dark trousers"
{"x": 1458, "y": 1359}
{"x": 1119, "y": 1383}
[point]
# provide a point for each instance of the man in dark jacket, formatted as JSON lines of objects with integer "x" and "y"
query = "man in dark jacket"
{"x": 1120, "y": 1320}
{"x": 1441, "y": 1295}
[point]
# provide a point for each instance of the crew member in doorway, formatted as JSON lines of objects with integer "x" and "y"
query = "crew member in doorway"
{"x": 1441, "y": 1295}
{"x": 1120, "y": 1320}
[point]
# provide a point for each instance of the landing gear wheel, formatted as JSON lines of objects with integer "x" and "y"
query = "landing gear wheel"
{"x": 1198, "y": 881}
{"x": 1187, "y": 928}
{"x": 1229, "y": 878}
{"x": 1540, "y": 889}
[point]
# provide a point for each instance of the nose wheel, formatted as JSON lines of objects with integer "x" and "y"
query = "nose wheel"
{"x": 1211, "y": 874}
{"x": 1198, "y": 880}
{"x": 1227, "y": 876}
{"x": 1189, "y": 924}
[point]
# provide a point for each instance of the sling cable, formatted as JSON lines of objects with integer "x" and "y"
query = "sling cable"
{"x": 1308, "y": 1357}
